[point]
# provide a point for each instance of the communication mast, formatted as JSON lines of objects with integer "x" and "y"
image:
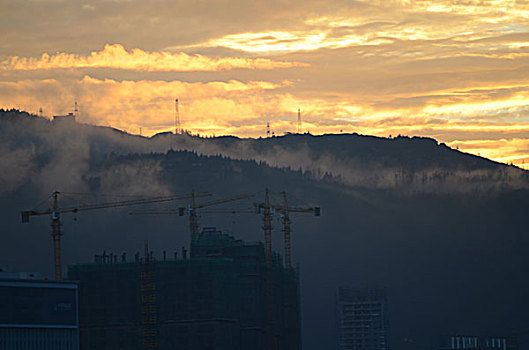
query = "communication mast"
{"x": 76, "y": 110}
{"x": 299, "y": 121}
{"x": 177, "y": 119}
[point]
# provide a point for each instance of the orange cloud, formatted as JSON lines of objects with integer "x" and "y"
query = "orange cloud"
{"x": 129, "y": 105}
{"x": 115, "y": 56}
{"x": 513, "y": 150}
{"x": 243, "y": 109}
{"x": 446, "y": 24}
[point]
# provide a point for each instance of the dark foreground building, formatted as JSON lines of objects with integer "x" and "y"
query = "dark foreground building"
{"x": 362, "y": 318}
{"x": 37, "y": 314}
{"x": 215, "y": 300}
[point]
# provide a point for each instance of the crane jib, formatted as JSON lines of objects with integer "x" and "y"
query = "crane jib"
{"x": 25, "y": 215}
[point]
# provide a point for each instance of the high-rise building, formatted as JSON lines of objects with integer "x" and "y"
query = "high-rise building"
{"x": 37, "y": 314}
{"x": 362, "y": 318}
{"x": 216, "y": 299}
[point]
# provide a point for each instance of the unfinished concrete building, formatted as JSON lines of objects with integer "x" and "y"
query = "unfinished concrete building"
{"x": 215, "y": 300}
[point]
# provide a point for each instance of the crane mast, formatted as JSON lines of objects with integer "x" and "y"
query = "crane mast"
{"x": 267, "y": 228}
{"x": 56, "y": 235}
{"x": 193, "y": 219}
{"x": 286, "y": 233}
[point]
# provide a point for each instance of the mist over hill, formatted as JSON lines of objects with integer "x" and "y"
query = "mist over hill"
{"x": 415, "y": 164}
{"x": 442, "y": 230}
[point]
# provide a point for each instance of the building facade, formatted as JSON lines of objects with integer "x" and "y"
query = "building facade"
{"x": 466, "y": 342}
{"x": 215, "y": 300}
{"x": 69, "y": 118}
{"x": 38, "y": 314}
{"x": 362, "y": 318}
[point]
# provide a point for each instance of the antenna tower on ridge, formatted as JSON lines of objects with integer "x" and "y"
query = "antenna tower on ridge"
{"x": 76, "y": 110}
{"x": 177, "y": 119}
{"x": 299, "y": 121}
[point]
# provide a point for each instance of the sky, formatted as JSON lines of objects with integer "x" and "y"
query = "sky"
{"x": 455, "y": 70}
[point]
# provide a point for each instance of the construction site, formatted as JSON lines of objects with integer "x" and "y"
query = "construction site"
{"x": 220, "y": 293}
{"x": 215, "y": 300}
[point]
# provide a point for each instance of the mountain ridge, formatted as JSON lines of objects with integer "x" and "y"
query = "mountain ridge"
{"x": 411, "y": 163}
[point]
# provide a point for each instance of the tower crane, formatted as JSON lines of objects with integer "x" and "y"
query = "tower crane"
{"x": 56, "y": 211}
{"x": 267, "y": 210}
{"x": 192, "y": 212}
{"x": 285, "y": 210}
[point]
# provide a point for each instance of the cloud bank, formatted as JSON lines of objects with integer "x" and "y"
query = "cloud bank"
{"x": 116, "y": 56}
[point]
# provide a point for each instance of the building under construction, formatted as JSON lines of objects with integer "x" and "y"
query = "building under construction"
{"x": 218, "y": 299}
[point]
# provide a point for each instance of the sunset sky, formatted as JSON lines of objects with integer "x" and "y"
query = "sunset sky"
{"x": 455, "y": 70}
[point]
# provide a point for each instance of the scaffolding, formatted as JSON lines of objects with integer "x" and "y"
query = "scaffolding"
{"x": 148, "y": 300}
{"x": 215, "y": 300}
